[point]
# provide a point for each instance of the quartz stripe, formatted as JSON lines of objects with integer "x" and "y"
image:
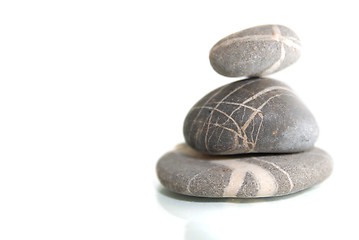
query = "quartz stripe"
{"x": 266, "y": 181}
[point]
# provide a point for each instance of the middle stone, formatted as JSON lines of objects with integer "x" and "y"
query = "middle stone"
{"x": 257, "y": 115}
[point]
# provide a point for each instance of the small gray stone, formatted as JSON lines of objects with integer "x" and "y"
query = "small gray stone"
{"x": 250, "y": 116}
{"x": 189, "y": 172}
{"x": 255, "y": 51}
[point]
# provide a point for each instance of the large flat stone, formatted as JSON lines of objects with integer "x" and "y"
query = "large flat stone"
{"x": 189, "y": 172}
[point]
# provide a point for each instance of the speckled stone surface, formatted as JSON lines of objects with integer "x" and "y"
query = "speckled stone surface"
{"x": 189, "y": 172}
{"x": 250, "y": 116}
{"x": 256, "y": 51}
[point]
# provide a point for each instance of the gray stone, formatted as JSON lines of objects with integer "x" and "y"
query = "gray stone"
{"x": 189, "y": 172}
{"x": 250, "y": 116}
{"x": 255, "y": 51}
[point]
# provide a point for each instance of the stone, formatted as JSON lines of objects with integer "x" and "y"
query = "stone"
{"x": 186, "y": 171}
{"x": 257, "y": 115}
{"x": 256, "y": 51}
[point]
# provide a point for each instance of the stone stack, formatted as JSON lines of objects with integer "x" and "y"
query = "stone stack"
{"x": 253, "y": 137}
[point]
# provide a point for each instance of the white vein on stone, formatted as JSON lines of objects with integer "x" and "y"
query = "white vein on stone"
{"x": 208, "y": 100}
{"x": 218, "y": 104}
{"x": 255, "y": 112}
{"x": 269, "y": 89}
{"x": 289, "y": 41}
{"x": 238, "y": 104}
{"x": 266, "y": 181}
{"x": 280, "y": 169}
{"x": 225, "y": 114}
{"x": 277, "y": 35}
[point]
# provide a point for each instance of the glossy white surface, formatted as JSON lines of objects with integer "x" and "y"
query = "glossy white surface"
{"x": 92, "y": 93}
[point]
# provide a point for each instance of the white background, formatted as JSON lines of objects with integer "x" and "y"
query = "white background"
{"x": 93, "y": 93}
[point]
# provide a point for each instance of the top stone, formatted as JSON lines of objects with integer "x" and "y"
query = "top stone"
{"x": 256, "y": 51}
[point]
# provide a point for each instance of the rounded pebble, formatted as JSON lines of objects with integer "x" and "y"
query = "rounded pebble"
{"x": 189, "y": 172}
{"x": 250, "y": 116}
{"x": 256, "y": 51}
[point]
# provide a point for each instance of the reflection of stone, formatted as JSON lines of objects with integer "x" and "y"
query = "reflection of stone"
{"x": 220, "y": 218}
{"x": 187, "y": 172}
{"x": 198, "y": 230}
{"x": 250, "y": 116}
{"x": 201, "y": 214}
{"x": 187, "y": 207}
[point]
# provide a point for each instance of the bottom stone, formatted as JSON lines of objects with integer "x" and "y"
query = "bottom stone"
{"x": 189, "y": 172}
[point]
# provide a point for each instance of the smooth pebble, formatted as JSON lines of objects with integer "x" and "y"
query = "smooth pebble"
{"x": 250, "y": 116}
{"x": 256, "y": 51}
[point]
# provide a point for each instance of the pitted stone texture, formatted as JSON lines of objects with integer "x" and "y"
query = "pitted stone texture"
{"x": 256, "y": 51}
{"x": 189, "y": 172}
{"x": 250, "y": 116}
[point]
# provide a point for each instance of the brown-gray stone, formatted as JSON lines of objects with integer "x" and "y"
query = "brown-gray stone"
{"x": 250, "y": 116}
{"x": 256, "y": 51}
{"x": 189, "y": 172}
